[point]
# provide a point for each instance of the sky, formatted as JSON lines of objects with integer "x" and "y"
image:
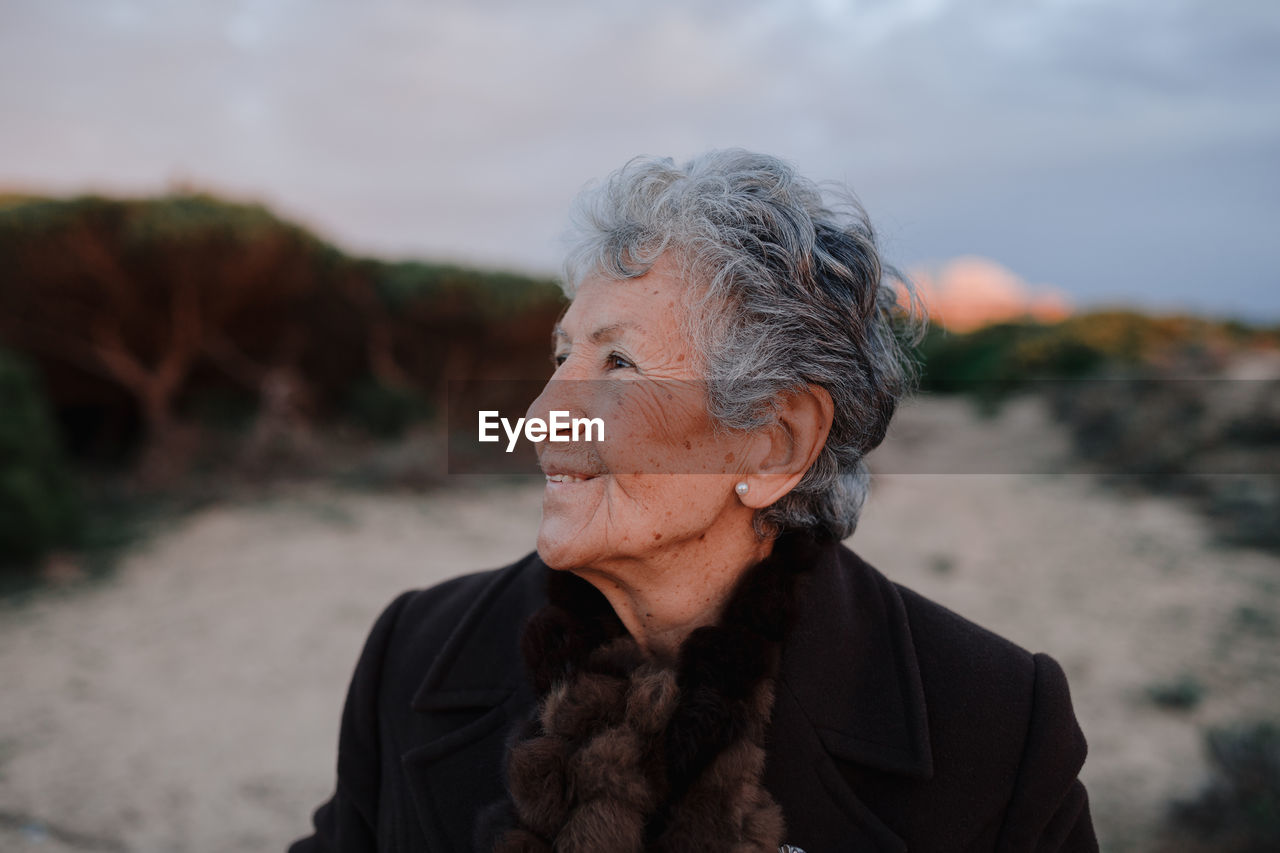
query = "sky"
{"x": 1101, "y": 152}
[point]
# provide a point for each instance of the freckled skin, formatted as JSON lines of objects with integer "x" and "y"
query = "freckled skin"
{"x": 658, "y": 528}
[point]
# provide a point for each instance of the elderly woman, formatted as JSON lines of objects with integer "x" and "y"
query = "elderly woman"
{"x": 691, "y": 661}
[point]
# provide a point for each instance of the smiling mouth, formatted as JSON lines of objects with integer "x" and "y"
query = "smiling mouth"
{"x": 567, "y": 478}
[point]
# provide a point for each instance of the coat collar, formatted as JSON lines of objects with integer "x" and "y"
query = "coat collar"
{"x": 849, "y": 691}
{"x": 851, "y": 665}
{"x": 849, "y": 697}
{"x": 480, "y": 665}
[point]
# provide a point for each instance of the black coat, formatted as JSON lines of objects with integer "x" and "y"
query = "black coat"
{"x": 897, "y": 724}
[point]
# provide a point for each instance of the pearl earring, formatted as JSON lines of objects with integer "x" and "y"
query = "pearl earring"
{"x": 741, "y": 488}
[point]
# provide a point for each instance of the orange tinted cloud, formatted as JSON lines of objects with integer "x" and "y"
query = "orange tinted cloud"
{"x": 969, "y": 292}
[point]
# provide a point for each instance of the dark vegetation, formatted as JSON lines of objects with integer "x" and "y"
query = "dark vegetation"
{"x": 39, "y": 499}
{"x": 1182, "y": 694}
{"x": 1006, "y": 357}
{"x": 1163, "y": 403}
{"x": 144, "y": 342}
{"x": 1238, "y": 810}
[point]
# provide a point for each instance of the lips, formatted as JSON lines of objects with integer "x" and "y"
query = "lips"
{"x": 566, "y": 478}
{"x": 567, "y": 472}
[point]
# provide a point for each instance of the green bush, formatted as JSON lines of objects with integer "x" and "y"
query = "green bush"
{"x": 1010, "y": 355}
{"x": 1182, "y": 694}
{"x": 1239, "y": 810}
{"x": 1003, "y": 357}
{"x": 385, "y": 412}
{"x": 39, "y": 504}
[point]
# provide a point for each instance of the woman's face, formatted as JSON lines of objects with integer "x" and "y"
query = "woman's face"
{"x": 662, "y": 477}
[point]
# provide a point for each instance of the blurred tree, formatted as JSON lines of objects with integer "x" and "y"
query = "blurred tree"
{"x": 449, "y": 322}
{"x": 445, "y": 324}
{"x": 139, "y": 292}
{"x": 150, "y": 303}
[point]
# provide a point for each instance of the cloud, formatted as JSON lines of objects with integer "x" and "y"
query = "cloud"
{"x": 1054, "y": 135}
{"x": 968, "y": 292}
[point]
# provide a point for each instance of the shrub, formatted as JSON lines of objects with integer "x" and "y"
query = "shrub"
{"x": 385, "y": 412}
{"x": 39, "y": 505}
{"x": 1239, "y": 810}
{"x": 1181, "y": 694}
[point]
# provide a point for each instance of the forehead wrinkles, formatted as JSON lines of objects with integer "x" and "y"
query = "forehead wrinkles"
{"x": 607, "y": 311}
{"x": 671, "y": 283}
{"x": 603, "y": 333}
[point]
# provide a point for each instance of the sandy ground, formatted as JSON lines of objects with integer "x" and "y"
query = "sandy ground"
{"x": 190, "y": 701}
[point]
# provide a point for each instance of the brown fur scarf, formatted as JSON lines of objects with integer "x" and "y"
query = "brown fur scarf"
{"x": 626, "y": 754}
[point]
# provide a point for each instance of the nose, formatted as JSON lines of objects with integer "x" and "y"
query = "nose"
{"x": 564, "y": 392}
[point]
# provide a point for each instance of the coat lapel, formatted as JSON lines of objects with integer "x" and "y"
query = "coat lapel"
{"x": 475, "y": 692}
{"x": 849, "y": 693}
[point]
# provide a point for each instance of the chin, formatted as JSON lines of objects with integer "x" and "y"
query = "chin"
{"x": 568, "y": 530}
{"x": 559, "y": 549}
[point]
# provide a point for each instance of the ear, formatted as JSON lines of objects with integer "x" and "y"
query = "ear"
{"x": 783, "y": 452}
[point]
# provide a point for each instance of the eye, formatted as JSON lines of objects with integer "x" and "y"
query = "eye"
{"x": 559, "y": 358}
{"x": 617, "y": 361}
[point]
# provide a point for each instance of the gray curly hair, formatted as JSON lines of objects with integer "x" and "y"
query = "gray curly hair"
{"x": 788, "y": 292}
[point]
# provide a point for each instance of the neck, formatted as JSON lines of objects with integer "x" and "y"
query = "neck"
{"x": 661, "y": 599}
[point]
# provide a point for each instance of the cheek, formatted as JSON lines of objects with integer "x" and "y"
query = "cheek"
{"x": 662, "y": 429}
{"x": 668, "y": 507}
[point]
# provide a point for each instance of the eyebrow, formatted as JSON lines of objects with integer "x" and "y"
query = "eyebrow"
{"x": 600, "y": 334}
